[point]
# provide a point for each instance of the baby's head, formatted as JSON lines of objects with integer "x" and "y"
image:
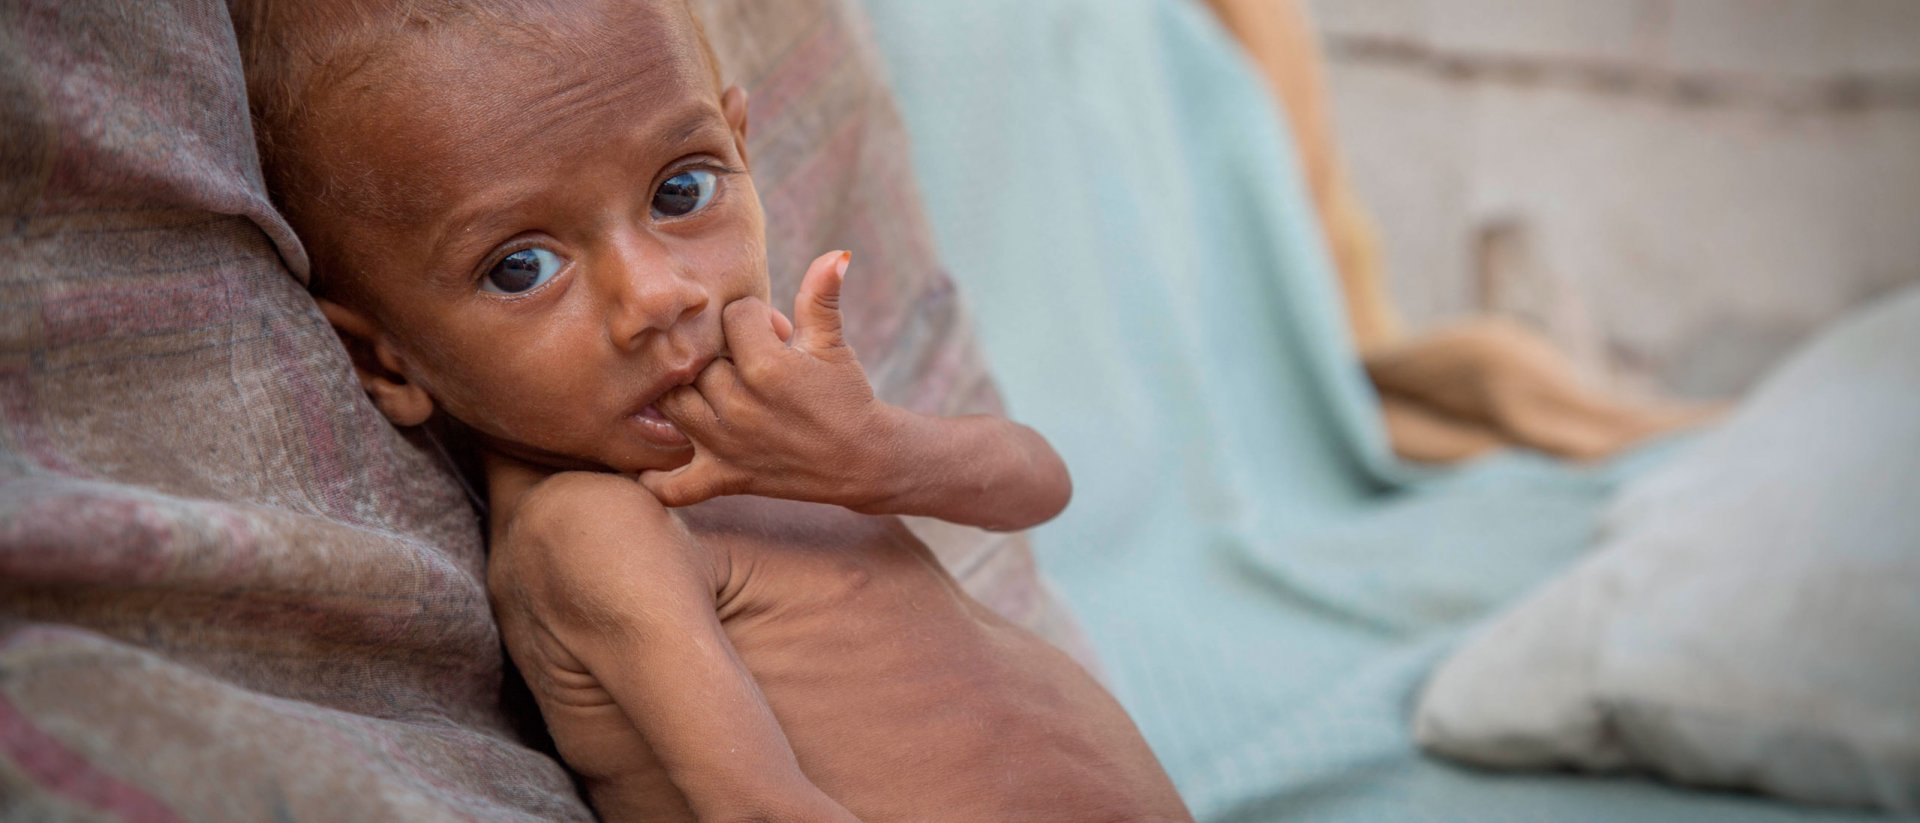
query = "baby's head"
{"x": 526, "y": 215}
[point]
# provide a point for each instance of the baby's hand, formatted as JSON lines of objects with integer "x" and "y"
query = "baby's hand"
{"x": 790, "y": 418}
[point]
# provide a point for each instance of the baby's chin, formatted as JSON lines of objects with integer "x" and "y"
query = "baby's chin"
{"x": 620, "y": 458}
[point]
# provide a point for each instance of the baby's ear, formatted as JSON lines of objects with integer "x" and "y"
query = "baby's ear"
{"x": 733, "y": 105}
{"x": 379, "y": 365}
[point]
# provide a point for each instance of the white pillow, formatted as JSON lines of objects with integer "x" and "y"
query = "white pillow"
{"x": 1752, "y": 616}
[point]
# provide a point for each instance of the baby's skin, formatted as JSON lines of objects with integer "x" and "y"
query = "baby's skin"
{"x": 749, "y": 659}
{"x": 533, "y": 225}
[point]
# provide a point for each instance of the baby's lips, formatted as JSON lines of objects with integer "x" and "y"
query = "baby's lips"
{"x": 657, "y": 428}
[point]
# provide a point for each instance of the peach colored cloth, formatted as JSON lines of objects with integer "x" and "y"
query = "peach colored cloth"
{"x": 1458, "y": 392}
{"x": 1280, "y": 39}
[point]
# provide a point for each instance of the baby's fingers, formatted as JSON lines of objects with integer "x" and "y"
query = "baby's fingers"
{"x": 781, "y": 325}
{"x": 703, "y": 479}
{"x": 690, "y": 412}
{"x": 754, "y": 331}
{"x": 816, "y": 309}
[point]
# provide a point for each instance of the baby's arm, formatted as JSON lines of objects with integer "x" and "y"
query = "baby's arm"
{"x": 979, "y": 470}
{"x": 797, "y": 419}
{"x": 602, "y": 594}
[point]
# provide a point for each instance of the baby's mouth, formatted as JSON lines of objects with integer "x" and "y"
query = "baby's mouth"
{"x": 654, "y": 423}
{"x": 656, "y": 427}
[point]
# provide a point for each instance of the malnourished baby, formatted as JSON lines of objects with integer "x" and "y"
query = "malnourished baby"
{"x": 532, "y": 224}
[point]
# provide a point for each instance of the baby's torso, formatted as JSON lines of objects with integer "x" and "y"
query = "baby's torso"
{"x": 902, "y": 697}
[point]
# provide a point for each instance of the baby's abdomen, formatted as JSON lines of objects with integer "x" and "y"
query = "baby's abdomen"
{"x": 904, "y": 699}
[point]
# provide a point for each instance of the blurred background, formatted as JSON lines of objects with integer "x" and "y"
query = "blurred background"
{"x": 1675, "y": 191}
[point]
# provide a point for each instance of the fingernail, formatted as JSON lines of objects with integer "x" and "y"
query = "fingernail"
{"x": 840, "y": 268}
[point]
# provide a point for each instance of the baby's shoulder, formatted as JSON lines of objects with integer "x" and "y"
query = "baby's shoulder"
{"x": 559, "y": 504}
{"x": 576, "y": 532}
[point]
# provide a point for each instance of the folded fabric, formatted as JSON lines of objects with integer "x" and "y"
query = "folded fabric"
{"x": 228, "y": 590}
{"x": 1749, "y": 620}
{"x": 1465, "y": 389}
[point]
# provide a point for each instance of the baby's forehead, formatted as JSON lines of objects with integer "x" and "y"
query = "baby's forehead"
{"x": 547, "y": 39}
{"x": 436, "y": 105}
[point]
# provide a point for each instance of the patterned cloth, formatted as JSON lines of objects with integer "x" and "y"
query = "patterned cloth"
{"x": 228, "y": 589}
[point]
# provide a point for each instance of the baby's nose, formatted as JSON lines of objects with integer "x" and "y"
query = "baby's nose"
{"x": 653, "y": 300}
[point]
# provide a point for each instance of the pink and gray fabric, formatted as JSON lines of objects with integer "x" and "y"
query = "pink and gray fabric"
{"x": 228, "y": 589}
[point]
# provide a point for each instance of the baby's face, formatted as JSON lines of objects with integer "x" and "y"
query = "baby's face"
{"x": 562, "y": 218}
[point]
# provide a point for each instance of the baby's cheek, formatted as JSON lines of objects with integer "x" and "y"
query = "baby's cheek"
{"x": 505, "y": 393}
{"x": 751, "y": 279}
{"x": 744, "y": 258}
{"x": 547, "y": 404}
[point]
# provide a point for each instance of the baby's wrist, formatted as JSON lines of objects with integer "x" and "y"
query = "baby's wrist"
{"x": 897, "y": 454}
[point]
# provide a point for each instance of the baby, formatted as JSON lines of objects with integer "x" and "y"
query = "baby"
{"x": 532, "y": 224}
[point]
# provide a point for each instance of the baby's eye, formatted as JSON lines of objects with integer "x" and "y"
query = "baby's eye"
{"x": 684, "y": 193}
{"x": 521, "y": 271}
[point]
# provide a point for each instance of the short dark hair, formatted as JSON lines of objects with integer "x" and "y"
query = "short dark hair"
{"x": 293, "y": 51}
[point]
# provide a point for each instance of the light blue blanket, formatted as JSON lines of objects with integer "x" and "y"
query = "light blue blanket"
{"x": 1267, "y": 585}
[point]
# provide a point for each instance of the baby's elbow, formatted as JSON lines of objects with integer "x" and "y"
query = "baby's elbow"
{"x": 1039, "y": 500}
{"x": 1059, "y": 491}
{"x": 1057, "y": 483}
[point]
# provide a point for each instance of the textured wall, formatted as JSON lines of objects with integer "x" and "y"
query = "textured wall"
{"x": 1678, "y": 190}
